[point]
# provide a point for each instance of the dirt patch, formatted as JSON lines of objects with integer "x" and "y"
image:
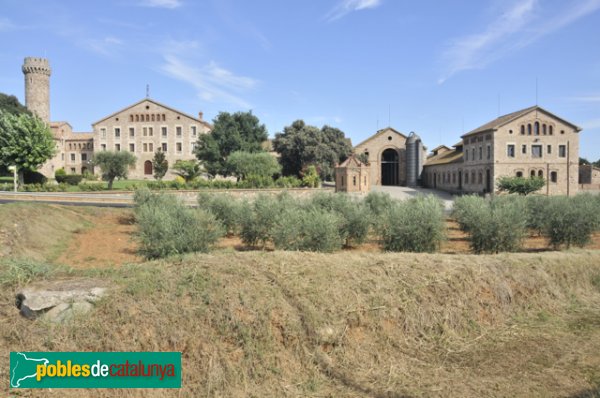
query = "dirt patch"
{"x": 109, "y": 242}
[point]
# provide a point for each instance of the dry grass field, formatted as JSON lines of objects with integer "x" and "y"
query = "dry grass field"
{"x": 350, "y": 324}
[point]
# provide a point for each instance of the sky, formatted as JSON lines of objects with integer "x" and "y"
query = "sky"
{"x": 438, "y": 68}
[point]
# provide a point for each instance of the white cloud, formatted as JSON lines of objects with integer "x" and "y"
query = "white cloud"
{"x": 6, "y": 24}
{"x": 105, "y": 46}
{"x": 518, "y": 27}
{"x": 347, "y": 6}
{"x": 212, "y": 82}
{"x": 171, "y": 4}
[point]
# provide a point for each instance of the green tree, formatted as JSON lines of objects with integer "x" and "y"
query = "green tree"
{"x": 521, "y": 185}
{"x": 301, "y": 145}
{"x": 114, "y": 165}
{"x": 25, "y": 142}
{"x": 243, "y": 164}
{"x": 240, "y": 131}
{"x": 160, "y": 165}
{"x": 583, "y": 161}
{"x": 189, "y": 170}
{"x": 10, "y": 104}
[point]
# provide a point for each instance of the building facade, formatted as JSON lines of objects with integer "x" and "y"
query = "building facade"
{"x": 529, "y": 142}
{"x": 352, "y": 175}
{"x": 145, "y": 128}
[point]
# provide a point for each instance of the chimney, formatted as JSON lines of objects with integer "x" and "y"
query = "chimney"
{"x": 200, "y": 115}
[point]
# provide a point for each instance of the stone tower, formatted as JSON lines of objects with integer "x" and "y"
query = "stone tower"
{"x": 37, "y": 86}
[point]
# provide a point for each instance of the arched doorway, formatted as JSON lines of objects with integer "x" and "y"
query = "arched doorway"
{"x": 389, "y": 167}
{"x": 148, "y": 168}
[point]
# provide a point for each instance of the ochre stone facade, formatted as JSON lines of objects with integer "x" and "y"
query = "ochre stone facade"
{"x": 146, "y": 127}
{"x": 352, "y": 176}
{"x": 529, "y": 142}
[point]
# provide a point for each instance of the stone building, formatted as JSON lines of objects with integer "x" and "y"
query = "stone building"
{"x": 589, "y": 177}
{"x": 142, "y": 128}
{"x": 146, "y": 127}
{"x": 352, "y": 175}
{"x": 529, "y": 142}
{"x": 388, "y": 157}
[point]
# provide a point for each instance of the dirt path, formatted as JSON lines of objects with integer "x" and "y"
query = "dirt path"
{"x": 109, "y": 242}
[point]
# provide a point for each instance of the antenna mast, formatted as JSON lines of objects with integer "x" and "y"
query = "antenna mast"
{"x": 147, "y": 91}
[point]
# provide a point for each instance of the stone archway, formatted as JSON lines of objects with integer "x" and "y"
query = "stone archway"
{"x": 389, "y": 167}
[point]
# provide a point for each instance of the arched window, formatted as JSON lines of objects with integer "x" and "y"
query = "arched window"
{"x": 480, "y": 178}
{"x": 532, "y": 173}
{"x": 536, "y": 128}
{"x": 550, "y": 130}
{"x": 519, "y": 174}
{"x": 540, "y": 173}
{"x": 137, "y": 118}
{"x": 544, "y": 129}
{"x": 522, "y": 129}
{"x": 529, "y": 129}
{"x": 473, "y": 177}
{"x": 467, "y": 177}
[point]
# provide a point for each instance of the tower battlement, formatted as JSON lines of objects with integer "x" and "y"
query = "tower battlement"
{"x": 37, "y": 86}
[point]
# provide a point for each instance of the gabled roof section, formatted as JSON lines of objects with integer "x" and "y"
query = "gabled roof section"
{"x": 380, "y": 132}
{"x": 505, "y": 119}
{"x": 155, "y": 103}
{"x": 451, "y": 156}
{"x": 352, "y": 161}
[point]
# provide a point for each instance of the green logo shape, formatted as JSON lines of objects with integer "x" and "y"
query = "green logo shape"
{"x": 95, "y": 370}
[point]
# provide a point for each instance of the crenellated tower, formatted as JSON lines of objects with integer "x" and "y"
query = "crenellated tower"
{"x": 37, "y": 86}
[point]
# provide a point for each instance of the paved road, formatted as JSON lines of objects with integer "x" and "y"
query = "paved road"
{"x": 403, "y": 193}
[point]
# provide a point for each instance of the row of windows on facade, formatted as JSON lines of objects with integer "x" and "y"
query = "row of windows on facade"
{"x": 73, "y": 157}
{"x": 149, "y": 147}
{"x": 80, "y": 145}
{"x": 149, "y": 131}
{"x": 354, "y": 180}
{"x": 536, "y": 150}
{"x": 477, "y": 177}
{"x": 478, "y": 138}
{"x": 148, "y": 117}
{"x": 537, "y": 128}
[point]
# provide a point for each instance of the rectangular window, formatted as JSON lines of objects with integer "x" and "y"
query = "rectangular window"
{"x": 150, "y": 147}
{"x": 536, "y": 151}
{"x": 178, "y": 147}
{"x": 117, "y": 132}
{"x": 150, "y": 131}
{"x": 118, "y": 147}
{"x": 73, "y": 171}
{"x": 489, "y": 152}
{"x": 145, "y": 146}
{"x": 145, "y": 131}
{"x": 178, "y": 131}
{"x": 562, "y": 151}
{"x": 103, "y": 133}
{"x": 72, "y": 157}
{"x": 510, "y": 150}
{"x": 62, "y": 156}
{"x": 193, "y": 131}
{"x": 131, "y": 147}
{"x": 549, "y": 148}
{"x": 554, "y": 176}
{"x": 164, "y": 147}
{"x": 164, "y": 131}
{"x": 480, "y": 153}
{"x": 473, "y": 154}
{"x": 84, "y": 157}
{"x": 524, "y": 149}
{"x": 467, "y": 155}
{"x": 132, "y": 131}
{"x": 193, "y": 147}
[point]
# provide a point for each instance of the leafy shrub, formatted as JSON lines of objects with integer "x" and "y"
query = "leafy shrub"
{"x": 307, "y": 229}
{"x": 415, "y": 225}
{"x": 537, "y": 206}
{"x": 256, "y": 181}
{"x": 227, "y": 209}
{"x": 91, "y": 186}
{"x": 571, "y": 221}
{"x": 72, "y": 179}
{"x": 60, "y": 174}
{"x": 258, "y": 220}
{"x": 288, "y": 182}
{"x": 494, "y": 225}
{"x": 33, "y": 177}
{"x": 521, "y": 185}
{"x": 167, "y": 226}
{"x": 379, "y": 202}
{"x": 310, "y": 177}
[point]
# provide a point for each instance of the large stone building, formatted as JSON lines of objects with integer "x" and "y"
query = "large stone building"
{"x": 146, "y": 127}
{"x": 529, "y": 142}
{"x": 142, "y": 128}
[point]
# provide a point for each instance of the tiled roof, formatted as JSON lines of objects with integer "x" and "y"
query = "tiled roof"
{"x": 451, "y": 156}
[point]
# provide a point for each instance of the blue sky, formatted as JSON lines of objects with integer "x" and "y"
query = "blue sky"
{"x": 439, "y": 68}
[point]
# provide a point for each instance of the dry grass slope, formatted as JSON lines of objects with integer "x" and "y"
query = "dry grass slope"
{"x": 348, "y": 324}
